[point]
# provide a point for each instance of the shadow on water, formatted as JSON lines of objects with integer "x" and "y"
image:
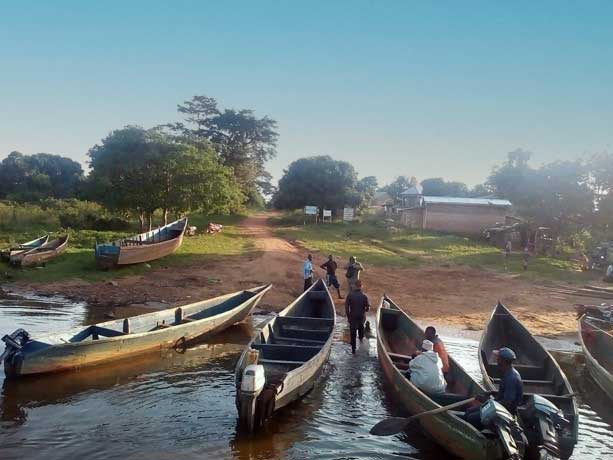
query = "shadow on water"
{"x": 169, "y": 405}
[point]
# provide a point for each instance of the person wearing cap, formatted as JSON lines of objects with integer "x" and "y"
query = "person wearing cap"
{"x": 307, "y": 271}
{"x": 426, "y": 370}
{"x": 439, "y": 347}
{"x": 353, "y": 272}
{"x": 356, "y": 306}
{"x": 510, "y": 390}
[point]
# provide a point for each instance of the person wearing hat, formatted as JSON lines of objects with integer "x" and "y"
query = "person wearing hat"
{"x": 353, "y": 272}
{"x": 356, "y": 306}
{"x": 510, "y": 390}
{"x": 426, "y": 370}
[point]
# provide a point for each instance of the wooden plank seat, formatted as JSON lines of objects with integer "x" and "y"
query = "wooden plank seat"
{"x": 278, "y": 338}
{"x": 95, "y": 332}
{"x": 286, "y": 352}
{"x": 281, "y": 362}
{"x": 530, "y": 382}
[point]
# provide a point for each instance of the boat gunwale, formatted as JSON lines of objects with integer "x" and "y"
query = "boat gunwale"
{"x": 148, "y": 245}
{"x": 588, "y": 354}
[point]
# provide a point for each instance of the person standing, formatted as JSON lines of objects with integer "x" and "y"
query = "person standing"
{"x": 330, "y": 267}
{"x": 526, "y": 258}
{"x": 356, "y": 306}
{"x": 507, "y": 253}
{"x": 353, "y": 272}
{"x": 307, "y": 271}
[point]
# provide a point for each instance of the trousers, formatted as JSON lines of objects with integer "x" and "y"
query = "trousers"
{"x": 356, "y": 328}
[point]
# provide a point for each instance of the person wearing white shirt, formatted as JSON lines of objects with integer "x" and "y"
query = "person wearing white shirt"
{"x": 426, "y": 370}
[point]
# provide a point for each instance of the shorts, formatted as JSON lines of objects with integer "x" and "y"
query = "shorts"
{"x": 333, "y": 281}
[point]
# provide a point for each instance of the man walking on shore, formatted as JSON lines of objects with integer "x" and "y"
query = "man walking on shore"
{"x": 356, "y": 306}
{"x": 307, "y": 271}
{"x": 353, "y": 272}
{"x": 330, "y": 267}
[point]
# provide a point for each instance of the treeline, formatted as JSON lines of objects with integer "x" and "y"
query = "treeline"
{"x": 213, "y": 161}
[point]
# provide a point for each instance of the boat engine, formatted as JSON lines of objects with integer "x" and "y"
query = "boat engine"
{"x": 252, "y": 384}
{"x": 12, "y": 357}
{"x": 543, "y": 423}
{"x": 496, "y": 417}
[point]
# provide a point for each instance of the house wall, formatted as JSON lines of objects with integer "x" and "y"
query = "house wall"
{"x": 462, "y": 218}
{"x": 412, "y": 218}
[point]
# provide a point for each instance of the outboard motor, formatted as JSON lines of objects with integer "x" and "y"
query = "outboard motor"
{"x": 496, "y": 417}
{"x": 543, "y": 422}
{"x": 252, "y": 384}
{"x": 12, "y": 357}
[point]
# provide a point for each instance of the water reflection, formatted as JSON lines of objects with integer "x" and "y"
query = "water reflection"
{"x": 166, "y": 405}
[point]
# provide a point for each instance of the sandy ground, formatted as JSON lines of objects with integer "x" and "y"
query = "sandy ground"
{"x": 459, "y": 297}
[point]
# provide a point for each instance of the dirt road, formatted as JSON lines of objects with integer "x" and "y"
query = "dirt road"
{"x": 456, "y": 296}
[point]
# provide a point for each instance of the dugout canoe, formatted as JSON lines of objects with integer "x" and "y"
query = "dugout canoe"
{"x": 597, "y": 343}
{"x": 20, "y": 249}
{"x": 397, "y": 336}
{"x": 111, "y": 340}
{"x": 283, "y": 361}
{"x": 540, "y": 372}
{"x": 143, "y": 247}
{"x": 42, "y": 254}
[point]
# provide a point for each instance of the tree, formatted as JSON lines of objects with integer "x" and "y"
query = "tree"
{"x": 143, "y": 170}
{"x": 320, "y": 181}
{"x": 367, "y": 187}
{"x": 242, "y": 140}
{"x": 399, "y": 185}
{"x": 437, "y": 186}
{"x": 38, "y": 176}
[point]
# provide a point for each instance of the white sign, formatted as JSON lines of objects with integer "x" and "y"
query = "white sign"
{"x": 310, "y": 210}
{"x": 327, "y": 212}
{"x": 348, "y": 214}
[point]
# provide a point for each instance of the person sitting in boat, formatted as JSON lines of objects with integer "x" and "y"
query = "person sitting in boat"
{"x": 426, "y": 370}
{"x": 608, "y": 277}
{"x": 510, "y": 391}
{"x": 439, "y": 347}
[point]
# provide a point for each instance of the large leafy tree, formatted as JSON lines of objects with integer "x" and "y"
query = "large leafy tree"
{"x": 437, "y": 186}
{"x": 141, "y": 171}
{"x": 399, "y": 185}
{"x": 320, "y": 181}
{"x": 43, "y": 175}
{"x": 242, "y": 140}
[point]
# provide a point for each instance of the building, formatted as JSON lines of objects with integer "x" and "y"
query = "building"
{"x": 451, "y": 214}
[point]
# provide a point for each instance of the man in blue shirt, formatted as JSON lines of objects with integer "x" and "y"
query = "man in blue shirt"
{"x": 307, "y": 271}
{"x": 510, "y": 391}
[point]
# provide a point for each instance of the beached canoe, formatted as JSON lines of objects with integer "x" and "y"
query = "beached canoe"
{"x": 284, "y": 360}
{"x": 112, "y": 340}
{"x": 540, "y": 372}
{"x": 597, "y": 343}
{"x": 141, "y": 248}
{"x": 42, "y": 254}
{"x": 397, "y": 336}
{"x": 20, "y": 249}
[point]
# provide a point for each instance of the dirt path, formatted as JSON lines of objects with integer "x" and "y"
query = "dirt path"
{"x": 456, "y": 296}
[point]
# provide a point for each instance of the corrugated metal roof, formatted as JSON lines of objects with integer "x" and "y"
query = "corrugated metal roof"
{"x": 475, "y": 201}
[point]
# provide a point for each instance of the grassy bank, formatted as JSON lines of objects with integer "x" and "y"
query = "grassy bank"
{"x": 377, "y": 244}
{"x": 79, "y": 262}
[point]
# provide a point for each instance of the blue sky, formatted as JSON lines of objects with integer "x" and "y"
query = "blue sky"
{"x": 427, "y": 89}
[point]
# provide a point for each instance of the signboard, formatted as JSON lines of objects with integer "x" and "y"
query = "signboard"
{"x": 348, "y": 214}
{"x": 310, "y": 210}
{"x": 327, "y": 212}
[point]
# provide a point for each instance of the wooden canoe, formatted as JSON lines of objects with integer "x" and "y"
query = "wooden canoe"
{"x": 42, "y": 254}
{"x": 112, "y": 340}
{"x": 397, "y": 336}
{"x": 293, "y": 348}
{"x": 540, "y": 372}
{"x": 16, "y": 252}
{"x": 141, "y": 248}
{"x": 597, "y": 343}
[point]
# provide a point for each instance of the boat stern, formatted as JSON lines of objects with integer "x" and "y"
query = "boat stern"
{"x": 251, "y": 386}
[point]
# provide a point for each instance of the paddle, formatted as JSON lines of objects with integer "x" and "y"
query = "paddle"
{"x": 393, "y": 425}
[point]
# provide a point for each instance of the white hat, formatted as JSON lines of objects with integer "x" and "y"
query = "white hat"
{"x": 427, "y": 345}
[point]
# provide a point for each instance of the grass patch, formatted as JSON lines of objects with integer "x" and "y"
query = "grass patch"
{"x": 79, "y": 262}
{"x": 376, "y": 244}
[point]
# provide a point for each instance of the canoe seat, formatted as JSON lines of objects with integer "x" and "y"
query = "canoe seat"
{"x": 286, "y": 352}
{"x": 293, "y": 339}
{"x": 529, "y": 382}
{"x": 280, "y": 361}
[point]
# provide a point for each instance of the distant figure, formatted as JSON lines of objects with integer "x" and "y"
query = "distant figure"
{"x": 507, "y": 253}
{"x": 426, "y": 370}
{"x": 307, "y": 270}
{"x": 510, "y": 390}
{"x": 356, "y": 306}
{"x": 330, "y": 267}
{"x": 526, "y": 258}
{"x": 353, "y": 272}
{"x": 439, "y": 347}
{"x": 608, "y": 277}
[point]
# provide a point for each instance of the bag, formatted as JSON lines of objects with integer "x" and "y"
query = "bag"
{"x": 350, "y": 272}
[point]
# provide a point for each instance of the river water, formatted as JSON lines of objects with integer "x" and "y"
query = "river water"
{"x": 173, "y": 405}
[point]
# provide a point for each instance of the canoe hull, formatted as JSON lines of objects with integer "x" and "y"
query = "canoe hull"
{"x": 449, "y": 431}
{"x": 599, "y": 373}
{"x": 15, "y": 252}
{"x": 531, "y": 358}
{"x": 70, "y": 356}
{"x": 39, "y": 256}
